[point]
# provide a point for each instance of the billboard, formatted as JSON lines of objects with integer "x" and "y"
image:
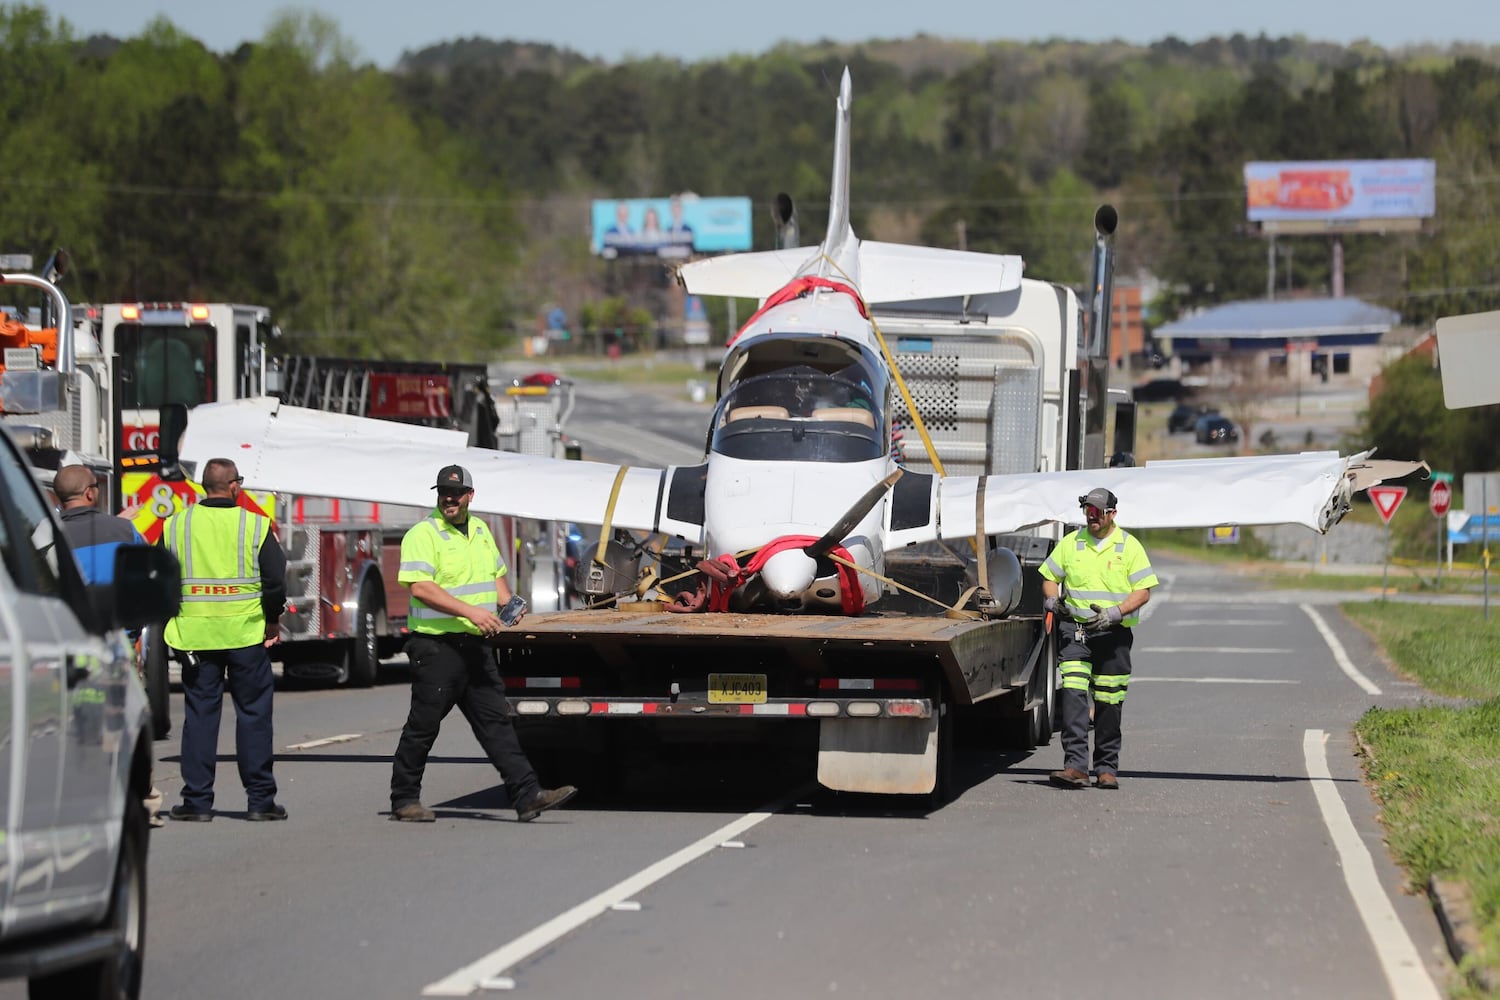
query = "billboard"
{"x": 1340, "y": 190}
{"x": 670, "y": 227}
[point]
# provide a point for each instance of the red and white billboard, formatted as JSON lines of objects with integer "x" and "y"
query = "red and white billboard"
{"x": 1340, "y": 190}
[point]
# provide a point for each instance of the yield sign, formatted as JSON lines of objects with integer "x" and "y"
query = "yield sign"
{"x": 1386, "y": 499}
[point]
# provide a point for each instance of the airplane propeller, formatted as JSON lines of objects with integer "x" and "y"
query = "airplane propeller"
{"x": 841, "y": 528}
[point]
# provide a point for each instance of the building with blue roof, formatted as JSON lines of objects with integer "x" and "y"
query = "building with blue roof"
{"x": 1333, "y": 341}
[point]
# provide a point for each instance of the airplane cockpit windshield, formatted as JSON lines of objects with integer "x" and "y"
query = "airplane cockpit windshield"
{"x": 801, "y": 414}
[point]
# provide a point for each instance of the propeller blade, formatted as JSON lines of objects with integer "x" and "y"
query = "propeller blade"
{"x": 852, "y": 516}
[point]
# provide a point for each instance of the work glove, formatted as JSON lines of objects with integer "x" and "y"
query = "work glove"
{"x": 1103, "y": 618}
{"x": 1049, "y": 605}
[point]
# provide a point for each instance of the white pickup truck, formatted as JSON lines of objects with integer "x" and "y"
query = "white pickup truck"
{"x": 75, "y": 752}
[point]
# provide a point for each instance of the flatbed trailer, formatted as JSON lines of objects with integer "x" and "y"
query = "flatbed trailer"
{"x": 892, "y": 684}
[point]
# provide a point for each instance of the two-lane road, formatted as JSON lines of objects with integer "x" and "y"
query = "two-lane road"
{"x": 1241, "y": 858}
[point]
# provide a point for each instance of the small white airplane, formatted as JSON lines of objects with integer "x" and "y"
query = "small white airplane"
{"x": 799, "y": 463}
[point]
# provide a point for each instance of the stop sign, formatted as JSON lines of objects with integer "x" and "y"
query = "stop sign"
{"x": 1440, "y": 499}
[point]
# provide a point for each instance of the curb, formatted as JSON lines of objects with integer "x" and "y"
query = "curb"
{"x": 1454, "y": 907}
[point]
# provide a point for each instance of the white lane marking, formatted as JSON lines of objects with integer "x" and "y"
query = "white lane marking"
{"x": 1214, "y": 649}
{"x": 326, "y": 741}
{"x": 1398, "y": 954}
{"x": 1211, "y": 680}
{"x": 491, "y": 967}
{"x": 1222, "y": 621}
{"x": 1340, "y": 657}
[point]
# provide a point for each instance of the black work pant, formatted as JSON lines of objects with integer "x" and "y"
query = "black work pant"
{"x": 1099, "y": 663}
{"x": 251, "y": 684}
{"x": 448, "y": 671}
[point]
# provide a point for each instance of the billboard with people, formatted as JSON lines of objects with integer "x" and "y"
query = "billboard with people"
{"x": 1340, "y": 190}
{"x": 678, "y": 226}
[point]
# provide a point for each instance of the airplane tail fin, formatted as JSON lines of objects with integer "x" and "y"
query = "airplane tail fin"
{"x": 882, "y": 272}
{"x": 840, "y": 235}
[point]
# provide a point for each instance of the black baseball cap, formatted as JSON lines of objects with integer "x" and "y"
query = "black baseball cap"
{"x": 454, "y": 477}
{"x": 1098, "y": 497}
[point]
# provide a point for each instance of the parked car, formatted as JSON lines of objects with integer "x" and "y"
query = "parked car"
{"x": 1214, "y": 429}
{"x": 1185, "y": 416}
{"x": 76, "y": 733}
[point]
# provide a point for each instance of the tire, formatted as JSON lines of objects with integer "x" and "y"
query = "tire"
{"x": 117, "y": 977}
{"x": 1044, "y": 695}
{"x": 364, "y": 652}
{"x": 158, "y": 682}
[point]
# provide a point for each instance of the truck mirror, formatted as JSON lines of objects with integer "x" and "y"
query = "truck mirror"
{"x": 1124, "y": 442}
{"x": 174, "y": 421}
{"x": 147, "y": 586}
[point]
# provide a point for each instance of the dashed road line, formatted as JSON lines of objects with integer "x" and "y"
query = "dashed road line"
{"x": 492, "y": 967}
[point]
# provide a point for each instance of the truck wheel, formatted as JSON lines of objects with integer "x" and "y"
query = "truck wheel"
{"x": 119, "y": 976}
{"x": 1044, "y": 697}
{"x": 158, "y": 683}
{"x": 364, "y": 657}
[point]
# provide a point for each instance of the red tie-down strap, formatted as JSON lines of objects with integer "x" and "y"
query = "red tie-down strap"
{"x": 795, "y": 290}
{"x": 724, "y": 574}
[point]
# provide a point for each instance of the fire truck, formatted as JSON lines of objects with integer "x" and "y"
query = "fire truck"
{"x": 99, "y": 394}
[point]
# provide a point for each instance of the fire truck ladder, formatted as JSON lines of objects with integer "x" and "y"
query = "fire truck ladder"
{"x": 327, "y": 384}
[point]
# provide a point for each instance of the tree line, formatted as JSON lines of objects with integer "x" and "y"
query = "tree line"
{"x": 441, "y": 204}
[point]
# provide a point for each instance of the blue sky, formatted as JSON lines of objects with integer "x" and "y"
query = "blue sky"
{"x": 381, "y": 29}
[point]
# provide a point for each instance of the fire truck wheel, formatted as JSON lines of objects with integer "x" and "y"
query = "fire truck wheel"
{"x": 364, "y": 656}
{"x": 158, "y": 683}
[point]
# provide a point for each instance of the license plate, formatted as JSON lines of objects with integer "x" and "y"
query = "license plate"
{"x": 737, "y": 689}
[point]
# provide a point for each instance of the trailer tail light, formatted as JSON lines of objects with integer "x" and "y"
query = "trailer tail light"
{"x": 863, "y": 709}
{"x": 904, "y": 708}
{"x": 529, "y": 707}
{"x": 199, "y": 313}
{"x": 822, "y": 709}
{"x": 573, "y": 708}
{"x": 130, "y": 312}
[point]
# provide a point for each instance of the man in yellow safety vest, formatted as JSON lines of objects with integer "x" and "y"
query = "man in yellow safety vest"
{"x": 1095, "y": 581}
{"x": 457, "y": 580}
{"x": 233, "y": 593}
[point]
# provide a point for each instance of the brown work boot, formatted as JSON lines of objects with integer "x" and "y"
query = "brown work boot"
{"x": 1107, "y": 780}
{"x": 413, "y": 812}
{"x": 544, "y": 799}
{"x": 1069, "y": 777}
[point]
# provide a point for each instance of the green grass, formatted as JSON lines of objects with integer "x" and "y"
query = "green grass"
{"x": 1436, "y": 769}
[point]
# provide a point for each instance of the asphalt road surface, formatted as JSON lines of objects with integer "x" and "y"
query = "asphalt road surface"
{"x": 1241, "y": 857}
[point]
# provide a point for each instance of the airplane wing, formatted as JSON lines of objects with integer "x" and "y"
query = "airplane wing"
{"x": 1312, "y": 489}
{"x": 894, "y": 272}
{"x": 289, "y": 449}
{"x": 744, "y": 275}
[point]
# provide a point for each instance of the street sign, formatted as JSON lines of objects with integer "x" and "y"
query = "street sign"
{"x": 1386, "y": 499}
{"x": 1440, "y": 499}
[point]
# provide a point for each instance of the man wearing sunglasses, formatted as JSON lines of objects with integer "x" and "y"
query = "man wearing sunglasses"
{"x": 1095, "y": 582}
{"x": 457, "y": 579}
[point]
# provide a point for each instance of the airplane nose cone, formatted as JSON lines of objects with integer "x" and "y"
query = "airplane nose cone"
{"x": 788, "y": 574}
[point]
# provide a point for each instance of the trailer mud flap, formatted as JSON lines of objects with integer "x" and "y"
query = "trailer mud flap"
{"x": 883, "y": 756}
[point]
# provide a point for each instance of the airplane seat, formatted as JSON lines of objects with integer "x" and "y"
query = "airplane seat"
{"x": 848, "y": 414}
{"x": 750, "y": 412}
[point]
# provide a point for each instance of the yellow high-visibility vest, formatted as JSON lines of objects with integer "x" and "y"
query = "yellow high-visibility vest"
{"x": 219, "y": 549}
{"x": 465, "y": 565}
{"x": 1105, "y": 575}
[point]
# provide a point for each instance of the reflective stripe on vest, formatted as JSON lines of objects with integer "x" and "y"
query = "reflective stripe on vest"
{"x": 475, "y": 586}
{"x": 219, "y": 549}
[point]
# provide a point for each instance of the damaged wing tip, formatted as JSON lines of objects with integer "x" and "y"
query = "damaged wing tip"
{"x": 845, "y": 89}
